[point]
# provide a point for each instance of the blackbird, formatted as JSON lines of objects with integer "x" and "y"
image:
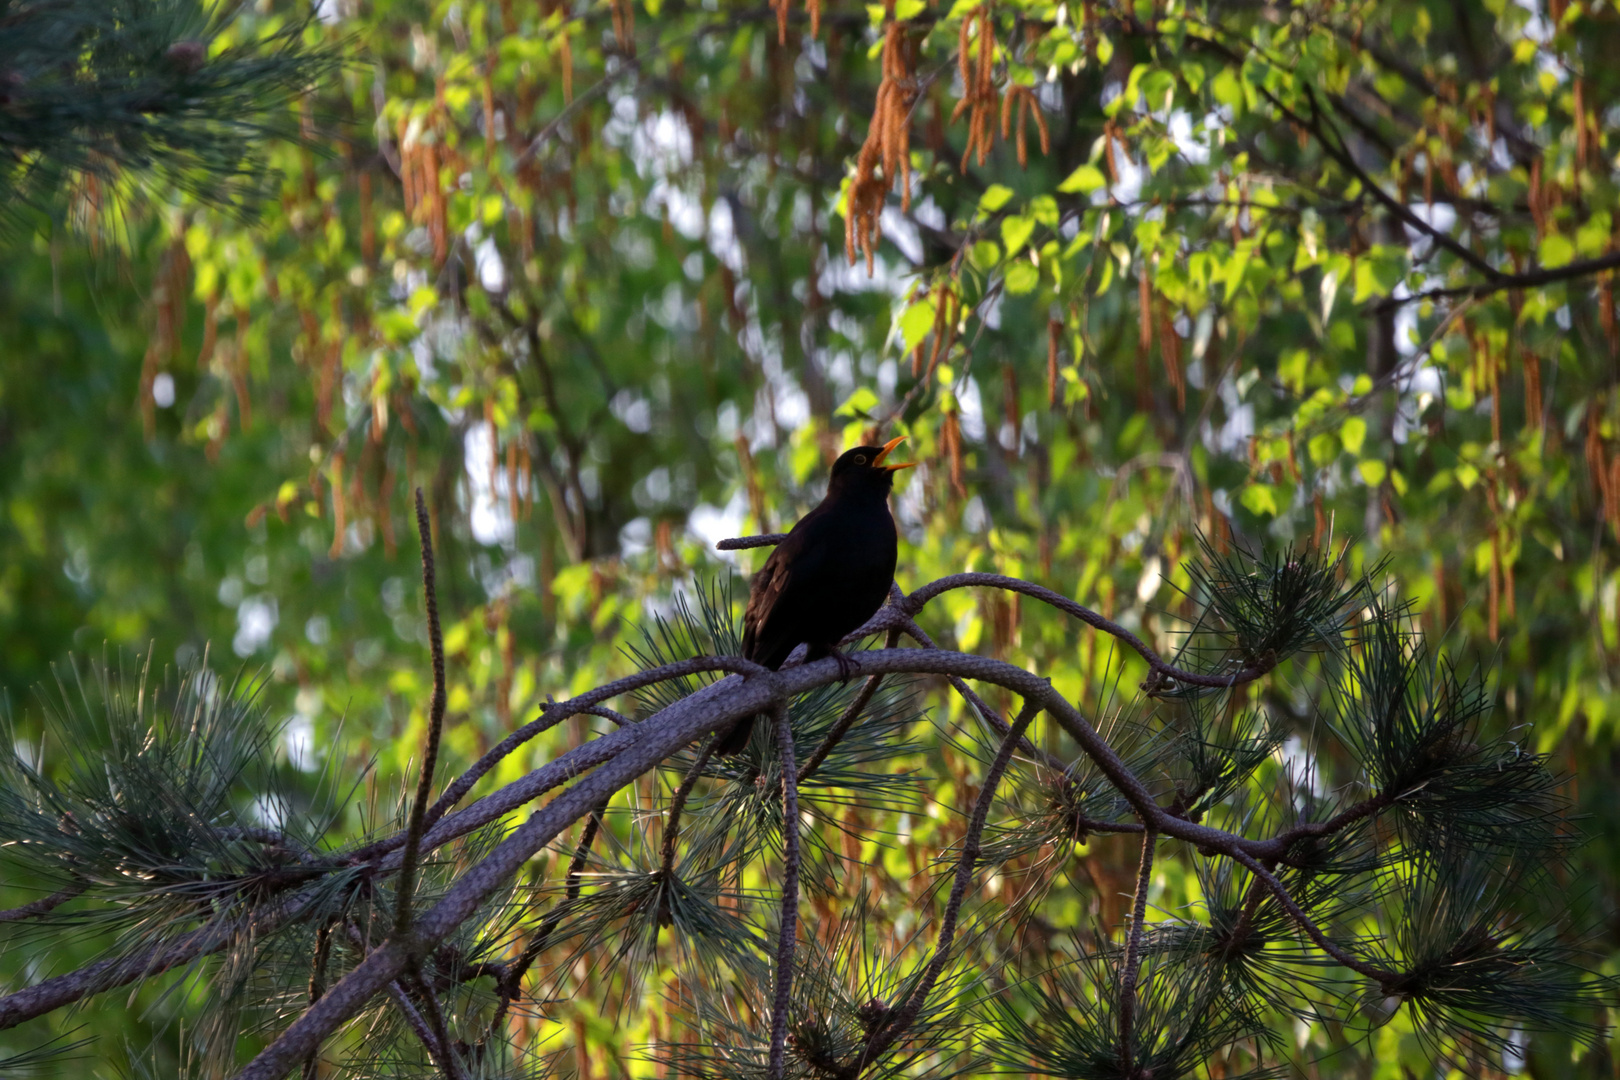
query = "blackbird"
{"x": 828, "y": 577}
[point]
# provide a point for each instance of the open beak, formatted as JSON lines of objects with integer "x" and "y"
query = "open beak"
{"x": 877, "y": 462}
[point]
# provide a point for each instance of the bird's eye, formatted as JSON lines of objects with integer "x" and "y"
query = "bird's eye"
{"x": 860, "y": 459}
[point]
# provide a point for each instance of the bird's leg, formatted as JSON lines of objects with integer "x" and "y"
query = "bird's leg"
{"x": 847, "y": 665}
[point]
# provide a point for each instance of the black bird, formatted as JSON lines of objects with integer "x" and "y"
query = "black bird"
{"x": 828, "y": 577}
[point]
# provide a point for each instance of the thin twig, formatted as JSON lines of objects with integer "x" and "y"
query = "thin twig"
{"x": 430, "y": 752}
{"x": 742, "y": 543}
{"x": 677, "y": 803}
{"x": 45, "y": 904}
{"x": 788, "y": 938}
{"x": 1315, "y": 933}
{"x": 317, "y": 987}
{"x": 435, "y": 1019}
{"x": 438, "y": 1050}
{"x": 510, "y": 986}
{"x": 1530, "y": 279}
{"x": 1133, "y": 957}
{"x": 1251, "y": 907}
{"x": 847, "y": 721}
{"x": 885, "y": 1035}
{"x": 991, "y": 716}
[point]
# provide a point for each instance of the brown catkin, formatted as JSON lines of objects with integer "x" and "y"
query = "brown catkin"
{"x": 1582, "y": 136}
{"x": 1614, "y": 495}
{"x": 1170, "y": 347}
{"x": 205, "y": 355}
{"x": 1532, "y": 391}
{"x": 1494, "y": 376}
{"x": 953, "y": 447}
{"x": 565, "y": 60}
{"x": 239, "y": 373}
{"x": 339, "y": 509}
{"x": 1144, "y": 308}
{"x": 1054, "y": 335}
{"x": 1606, "y": 313}
{"x": 1537, "y": 211}
{"x": 887, "y": 148}
{"x": 1023, "y": 117}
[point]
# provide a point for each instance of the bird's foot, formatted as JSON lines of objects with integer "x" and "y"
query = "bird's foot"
{"x": 847, "y": 665}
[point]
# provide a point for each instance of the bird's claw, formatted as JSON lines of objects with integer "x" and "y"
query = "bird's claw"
{"x": 847, "y": 665}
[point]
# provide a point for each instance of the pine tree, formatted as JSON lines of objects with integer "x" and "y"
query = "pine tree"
{"x": 105, "y": 98}
{"x": 1390, "y": 862}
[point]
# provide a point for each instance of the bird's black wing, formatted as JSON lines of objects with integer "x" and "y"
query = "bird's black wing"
{"x": 762, "y": 594}
{"x": 774, "y": 621}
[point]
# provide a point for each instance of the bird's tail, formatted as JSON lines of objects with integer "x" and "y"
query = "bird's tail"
{"x": 734, "y": 740}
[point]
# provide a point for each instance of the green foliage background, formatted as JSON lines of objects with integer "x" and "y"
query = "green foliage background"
{"x": 605, "y": 240}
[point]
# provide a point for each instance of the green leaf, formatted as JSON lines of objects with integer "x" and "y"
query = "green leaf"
{"x": 1085, "y": 180}
{"x": 1228, "y": 90}
{"x": 1014, "y": 231}
{"x": 916, "y": 322}
{"x": 1022, "y": 278}
{"x": 1260, "y": 499}
{"x": 1353, "y": 433}
{"x": 984, "y": 255}
{"x": 994, "y": 198}
{"x": 1555, "y": 250}
{"x": 860, "y": 403}
{"x": 1324, "y": 448}
{"x": 1372, "y": 472}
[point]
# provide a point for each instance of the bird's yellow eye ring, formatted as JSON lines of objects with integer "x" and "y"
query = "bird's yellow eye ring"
{"x": 860, "y": 459}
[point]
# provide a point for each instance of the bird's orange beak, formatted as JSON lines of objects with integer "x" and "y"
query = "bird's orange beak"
{"x": 890, "y": 445}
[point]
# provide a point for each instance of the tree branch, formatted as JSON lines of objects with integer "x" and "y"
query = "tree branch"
{"x": 1133, "y": 957}
{"x": 846, "y": 721}
{"x": 885, "y": 1035}
{"x": 44, "y": 905}
{"x": 677, "y": 802}
{"x": 1311, "y": 929}
{"x": 788, "y": 938}
{"x": 1530, "y": 279}
{"x": 430, "y": 753}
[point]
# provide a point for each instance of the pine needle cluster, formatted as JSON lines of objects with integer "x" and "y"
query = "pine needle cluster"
{"x": 1381, "y": 853}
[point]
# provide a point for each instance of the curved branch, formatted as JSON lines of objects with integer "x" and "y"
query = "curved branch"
{"x": 1315, "y": 933}
{"x": 430, "y": 752}
{"x": 44, "y": 905}
{"x": 1133, "y": 957}
{"x": 847, "y": 721}
{"x": 886, "y": 1035}
{"x": 677, "y": 803}
{"x": 1530, "y": 279}
{"x": 789, "y": 936}
{"x": 1161, "y": 670}
{"x": 625, "y": 754}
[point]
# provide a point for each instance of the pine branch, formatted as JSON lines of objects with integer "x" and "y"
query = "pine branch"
{"x": 677, "y": 802}
{"x": 845, "y": 722}
{"x": 886, "y": 1035}
{"x": 437, "y": 1028}
{"x": 1133, "y": 956}
{"x": 430, "y": 753}
{"x": 44, "y": 905}
{"x": 788, "y": 937}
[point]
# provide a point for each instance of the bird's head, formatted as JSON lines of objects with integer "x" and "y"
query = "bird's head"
{"x": 865, "y": 469}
